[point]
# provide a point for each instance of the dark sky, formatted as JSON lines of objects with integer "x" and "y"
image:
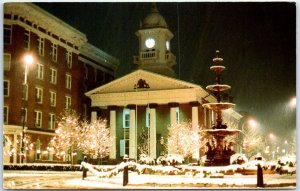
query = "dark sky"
{"x": 256, "y": 40}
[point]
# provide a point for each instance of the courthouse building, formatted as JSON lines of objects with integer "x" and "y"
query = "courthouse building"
{"x": 64, "y": 67}
{"x": 151, "y": 97}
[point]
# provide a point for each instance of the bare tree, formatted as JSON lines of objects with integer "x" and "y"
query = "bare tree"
{"x": 252, "y": 141}
{"x": 68, "y": 135}
{"x": 183, "y": 139}
{"x": 143, "y": 146}
{"x": 96, "y": 139}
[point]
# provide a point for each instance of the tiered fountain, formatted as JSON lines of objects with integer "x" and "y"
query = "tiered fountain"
{"x": 218, "y": 151}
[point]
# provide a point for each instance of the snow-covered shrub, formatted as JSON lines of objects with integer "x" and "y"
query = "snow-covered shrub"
{"x": 144, "y": 159}
{"x": 174, "y": 159}
{"x": 162, "y": 160}
{"x": 238, "y": 159}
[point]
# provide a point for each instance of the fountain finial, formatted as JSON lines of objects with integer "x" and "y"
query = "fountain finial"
{"x": 217, "y": 53}
{"x": 217, "y": 59}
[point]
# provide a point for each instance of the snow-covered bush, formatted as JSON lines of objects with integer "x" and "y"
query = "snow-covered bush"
{"x": 174, "y": 159}
{"x": 144, "y": 159}
{"x": 162, "y": 160}
{"x": 238, "y": 158}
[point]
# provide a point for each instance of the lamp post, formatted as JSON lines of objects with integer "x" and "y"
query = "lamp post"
{"x": 272, "y": 138}
{"x": 28, "y": 59}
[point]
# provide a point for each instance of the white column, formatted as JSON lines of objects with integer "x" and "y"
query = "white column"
{"x": 94, "y": 116}
{"x": 195, "y": 125}
{"x": 15, "y": 147}
{"x": 195, "y": 117}
{"x": 112, "y": 124}
{"x": 153, "y": 132}
{"x": 172, "y": 115}
{"x": 132, "y": 137}
{"x": 172, "y": 121}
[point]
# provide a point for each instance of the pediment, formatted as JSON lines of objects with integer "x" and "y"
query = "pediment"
{"x": 145, "y": 80}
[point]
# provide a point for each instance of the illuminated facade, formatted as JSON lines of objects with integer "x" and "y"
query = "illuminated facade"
{"x": 65, "y": 66}
{"x": 150, "y": 98}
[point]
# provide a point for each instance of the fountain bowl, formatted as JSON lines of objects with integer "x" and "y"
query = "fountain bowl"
{"x": 219, "y": 106}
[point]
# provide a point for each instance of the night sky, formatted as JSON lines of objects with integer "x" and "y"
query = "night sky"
{"x": 256, "y": 40}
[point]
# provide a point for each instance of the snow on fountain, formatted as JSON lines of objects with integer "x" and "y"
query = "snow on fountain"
{"x": 220, "y": 153}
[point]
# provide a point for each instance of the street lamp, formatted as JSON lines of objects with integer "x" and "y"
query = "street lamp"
{"x": 28, "y": 59}
{"x": 293, "y": 102}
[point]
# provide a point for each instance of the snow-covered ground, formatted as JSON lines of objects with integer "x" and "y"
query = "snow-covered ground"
{"x": 73, "y": 180}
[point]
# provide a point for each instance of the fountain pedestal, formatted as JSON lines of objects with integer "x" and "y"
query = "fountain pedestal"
{"x": 219, "y": 152}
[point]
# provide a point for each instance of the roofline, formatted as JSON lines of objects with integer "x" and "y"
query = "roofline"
{"x": 140, "y": 70}
{"x": 45, "y": 20}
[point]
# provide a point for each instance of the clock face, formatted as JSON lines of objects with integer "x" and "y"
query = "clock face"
{"x": 150, "y": 43}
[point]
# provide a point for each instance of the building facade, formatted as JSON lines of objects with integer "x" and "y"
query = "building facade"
{"x": 151, "y": 98}
{"x": 64, "y": 66}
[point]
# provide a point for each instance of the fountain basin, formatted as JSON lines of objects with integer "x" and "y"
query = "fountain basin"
{"x": 218, "y": 87}
{"x": 221, "y": 132}
{"x": 219, "y": 106}
{"x": 217, "y": 68}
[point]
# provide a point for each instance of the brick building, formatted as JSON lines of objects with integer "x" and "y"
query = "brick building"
{"x": 65, "y": 66}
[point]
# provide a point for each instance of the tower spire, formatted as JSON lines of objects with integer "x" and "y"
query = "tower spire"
{"x": 154, "y": 8}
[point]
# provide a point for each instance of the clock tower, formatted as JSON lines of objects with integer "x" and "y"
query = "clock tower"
{"x": 154, "y": 45}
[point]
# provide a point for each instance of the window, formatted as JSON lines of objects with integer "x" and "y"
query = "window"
{"x": 7, "y": 61}
{"x": 67, "y": 102}
{"x": 5, "y": 114}
{"x": 7, "y": 34}
{"x": 68, "y": 81}
{"x": 51, "y": 121}
{"x": 38, "y": 95}
{"x": 40, "y": 72}
{"x": 52, "y": 98}
{"x": 124, "y": 147}
{"x": 6, "y": 88}
{"x": 177, "y": 114}
{"x": 27, "y": 39}
{"x": 126, "y": 118}
{"x": 69, "y": 59}
{"x": 38, "y": 149}
{"x": 53, "y": 52}
{"x": 38, "y": 119}
{"x": 53, "y": 75}
{"x": 147, "y": 117}
{"x": 41, "y": 45}
{"x": 24, "y": 114}
{"x": 25, "y": 92}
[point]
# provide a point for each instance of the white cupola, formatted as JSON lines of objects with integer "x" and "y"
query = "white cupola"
{"x": 154, "y": 45}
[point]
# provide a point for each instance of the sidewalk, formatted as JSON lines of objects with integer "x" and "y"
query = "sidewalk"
{"x": 174, "y": 181}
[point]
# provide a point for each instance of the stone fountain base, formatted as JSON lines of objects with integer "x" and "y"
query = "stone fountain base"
{"x": 220, "y": 153}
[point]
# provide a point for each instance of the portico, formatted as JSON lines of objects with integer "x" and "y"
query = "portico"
{"x": 129, "y": 109}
